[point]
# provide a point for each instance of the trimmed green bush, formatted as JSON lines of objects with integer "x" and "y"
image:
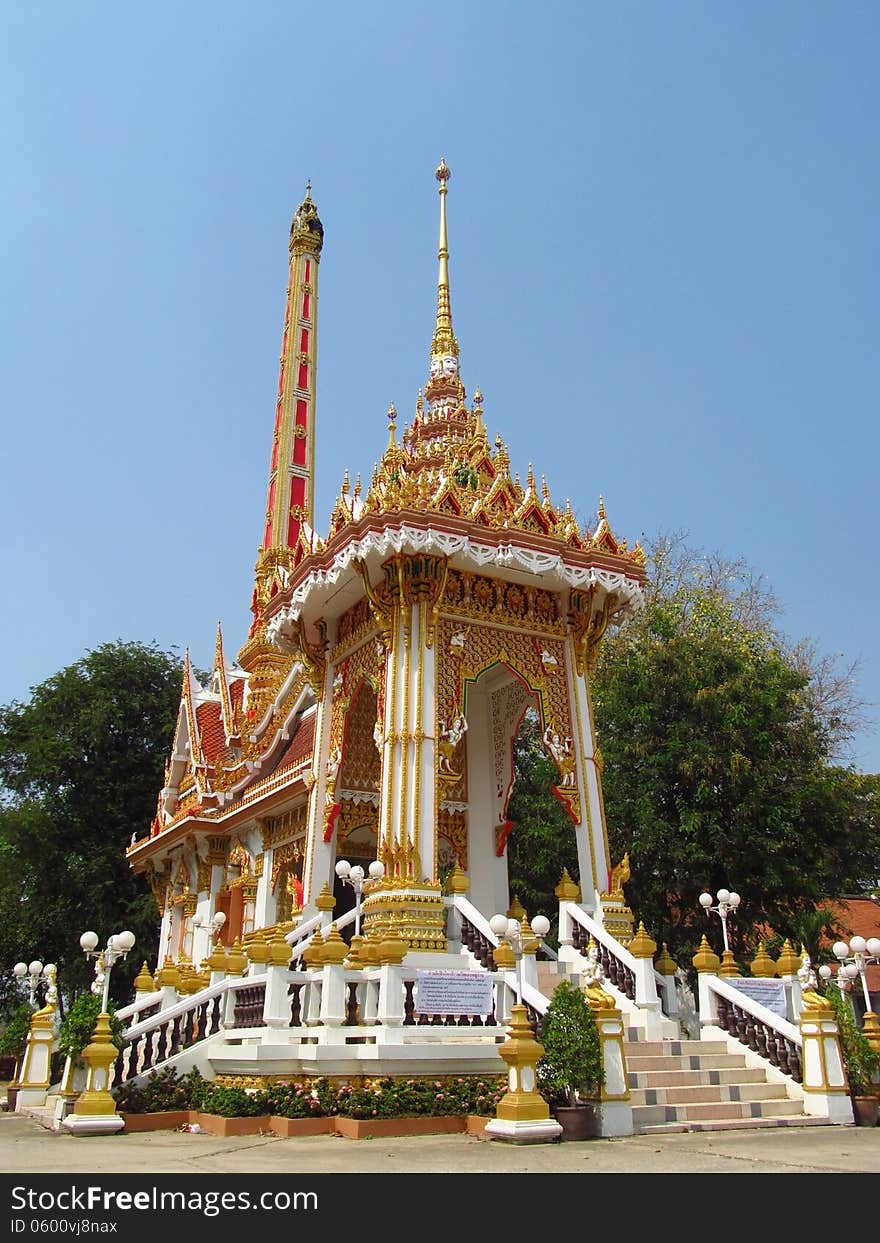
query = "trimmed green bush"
{"x": 570, "y": 1068}
{"x": 78, "y": 1025}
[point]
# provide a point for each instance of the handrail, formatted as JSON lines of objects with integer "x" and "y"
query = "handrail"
{"x": 146, "y": 1002}
{"x": 600, "y": 934}
{"x": 744, "y": 1002}
{"x": 228, "y": 984}
{"x": 297, "y": 951}
{"x": 308, "y": 925}
{"x": 773, "y": 1038}
{"x": 469, "y": 912}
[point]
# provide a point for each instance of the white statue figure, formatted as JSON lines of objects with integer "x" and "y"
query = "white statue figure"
{"x": 560, "y": 749}
{"x": 805, "y": 973}
{"x": 97, "y": 985}
{"x": 334, "y": 759}
{"x": 377, "y": 734}
{"x": 450, "y": 736}
{"x": 594, "y": 972}
{"x": 50, "y": 973}
{"x": 456, "y": 643}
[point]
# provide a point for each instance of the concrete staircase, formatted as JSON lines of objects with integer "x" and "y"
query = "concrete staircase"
{"x": 697, "y": 1085}
{"x": 679, "y": 1085}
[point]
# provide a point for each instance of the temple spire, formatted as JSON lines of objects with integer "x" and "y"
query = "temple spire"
{"x": 444, "y": 389}
{"x": 289, "y": 514}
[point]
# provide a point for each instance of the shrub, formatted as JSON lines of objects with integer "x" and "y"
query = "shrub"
{"x": 78, "y": 1025}
{"x": 384, "y": 1097}
{"x": 162, "y": 1091}
{"x": 859, "y": 1059}
{"x": 570, "y": 1067}
{"x": 13, "y": 1039}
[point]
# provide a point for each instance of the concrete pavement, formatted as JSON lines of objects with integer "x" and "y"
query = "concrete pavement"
{"x": 28, "y": 1147}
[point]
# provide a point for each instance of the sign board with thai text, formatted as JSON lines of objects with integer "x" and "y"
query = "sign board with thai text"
{"x": 453, "y": 992}
{"x": 770, "y": 993}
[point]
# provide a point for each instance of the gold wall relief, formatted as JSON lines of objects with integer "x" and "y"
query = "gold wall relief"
{"x": 513, "y": 604}
{"x": 354, "y": 816}
{"x": 352, "y": 626}
{"x": 379, "y": 604}
{"x": 452, "y": 829}
{"x": 588, "y": 621}
{"x": 275, "y": 829}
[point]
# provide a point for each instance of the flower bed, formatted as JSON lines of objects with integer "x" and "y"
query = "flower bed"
{"x": 313, "y": 1106}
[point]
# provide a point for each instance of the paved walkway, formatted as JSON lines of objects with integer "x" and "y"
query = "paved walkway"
{"x": 27, "y": 1147}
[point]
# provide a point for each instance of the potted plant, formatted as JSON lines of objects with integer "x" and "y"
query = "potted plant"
{"x": 862, "y": 1064}
{"x": 13, "y": 1042}
{"x": 570, "y": 1070}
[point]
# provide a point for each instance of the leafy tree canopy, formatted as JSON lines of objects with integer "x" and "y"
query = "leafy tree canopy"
{"x": 80, "y": 767}
{"x": 723, "y": 746}
{"x": 719, "y": 741}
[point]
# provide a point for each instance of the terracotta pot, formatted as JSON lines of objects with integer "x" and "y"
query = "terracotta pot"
{"x": 866, "y": 1110}
{"x": 383, "y": 1128}
{"x": 577, "y": 1121}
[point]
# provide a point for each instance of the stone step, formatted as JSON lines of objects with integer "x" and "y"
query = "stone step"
{"x": 672, "y": 1048}
{"x": 701, "y": 1093}
{"x": 712, "y": 1111}
{"x": 696, "y": 1061}
{"x": 732, "y": 1124}
{"x": 687, "y": 1078}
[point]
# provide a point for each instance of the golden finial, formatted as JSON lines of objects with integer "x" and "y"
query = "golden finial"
{"x": 478, "y": 398}
{"x": 545, "y": 491}
{"x": 601, "y": 508}
{"x": 530, "y": 479}
{"x": 357, "y": 485}
{"x": 392, "y": 415}
{"x": 444, "y": 341}
{"x": 309, "y": 188}
{"x": 345, "y": 482}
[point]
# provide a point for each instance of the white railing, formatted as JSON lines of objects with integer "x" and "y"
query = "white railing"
{"x": 148, "y": 1001}
{"x": 770, "y": 1036}
{"x": 636, "y": 983}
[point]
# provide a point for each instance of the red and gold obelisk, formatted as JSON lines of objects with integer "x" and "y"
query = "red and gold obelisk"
{"x": 287, "y": 531}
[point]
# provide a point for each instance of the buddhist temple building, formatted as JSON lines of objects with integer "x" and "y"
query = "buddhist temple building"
{"x": 371, "y": 712}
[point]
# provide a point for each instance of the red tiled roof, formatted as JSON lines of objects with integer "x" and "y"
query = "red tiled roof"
{"x": 300, "y": 745}
{"x": 860, "y": 917}
{"x": 236, "y": 692}
{"x": 213, "y": 735}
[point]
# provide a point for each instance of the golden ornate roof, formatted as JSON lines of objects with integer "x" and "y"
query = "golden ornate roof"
{"x": 445, "y": 464}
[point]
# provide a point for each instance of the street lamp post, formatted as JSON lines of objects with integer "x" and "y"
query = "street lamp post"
{"x": 522, "y": 1114}
{"x": 34, "y": 972}
{"x": 727, "y": 902}
{"x": 217, "y": 922}
{"x": 853, "y": 959}
{"x": 117, "y": 947}
{"x": 356, "y": 877}
{"x": 510, "y": 930}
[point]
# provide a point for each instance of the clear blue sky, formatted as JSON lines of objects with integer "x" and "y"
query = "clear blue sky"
{"x": 663, "y": 231}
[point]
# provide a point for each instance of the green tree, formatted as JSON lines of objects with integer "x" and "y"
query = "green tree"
{"x": 719, "y": 748}
{"x": 80, "y": 767}
{"x": 542, "y": 840}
